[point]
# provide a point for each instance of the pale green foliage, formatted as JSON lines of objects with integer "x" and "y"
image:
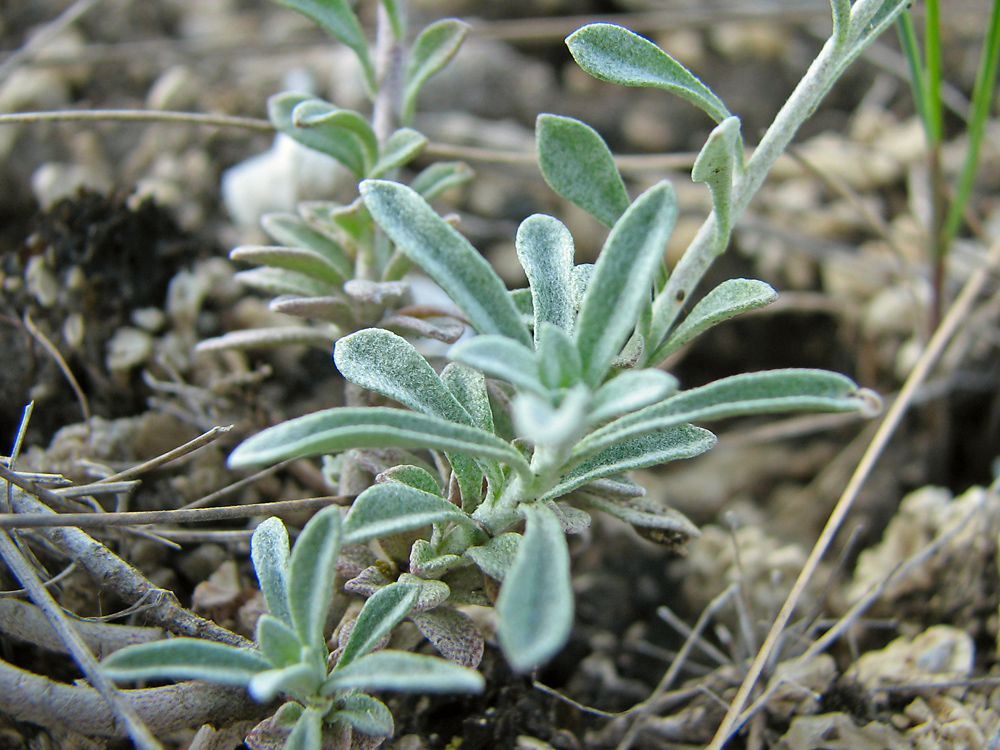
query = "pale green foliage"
{"x": 583, "y": 422}
{"x": 540, "y": 416}
{"x": 535, "y": 610}
{"x": 577, "y": 164}
{"x": 327, "y": 247}
{"x": 432, "y": 50}
{"x": 291, "y": 658}
{"x": 613, "y": 53}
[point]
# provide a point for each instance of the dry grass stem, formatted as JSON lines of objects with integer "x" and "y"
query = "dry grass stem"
{"x": 957, "y": 313}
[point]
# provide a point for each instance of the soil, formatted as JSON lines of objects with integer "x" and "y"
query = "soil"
{"x": 113, "y": 242}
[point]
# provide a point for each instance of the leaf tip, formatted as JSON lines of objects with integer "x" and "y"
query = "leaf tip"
{"x": 870, "y": 403}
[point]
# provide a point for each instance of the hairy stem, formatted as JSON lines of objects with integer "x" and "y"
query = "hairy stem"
{"x": 390, "y": 59}
{"x": 803, "y": 101}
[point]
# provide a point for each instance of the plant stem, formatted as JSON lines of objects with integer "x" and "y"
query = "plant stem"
{"x": 803, "y": 101}
{"x": 139, "y": 115}
{"x": 390, "y": 59}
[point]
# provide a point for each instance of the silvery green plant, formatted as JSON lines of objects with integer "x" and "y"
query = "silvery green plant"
{"x": 538, "y": 418}
{"x": 326, "y": 695}
{"x": 329, "y": 265}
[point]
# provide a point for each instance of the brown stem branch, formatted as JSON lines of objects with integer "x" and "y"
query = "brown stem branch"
{"x": 32, "y": 698}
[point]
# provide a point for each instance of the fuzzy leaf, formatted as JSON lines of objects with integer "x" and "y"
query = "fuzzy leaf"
{"x": 500, "y": 357}
{"x": 446, "y": 331}
{"x": 277, "y": 641}
{"x": 279, "y": 281}
{"x": 579, "y": 281}
{"x": 427, "y": 563}
{"x": 339, "y": 429}
{"x": 366, "y": 714}
{"x": 535, "y": 608}
{"x": 469, "y": 474}
{"x": 386, "y": 509}
{"x": 292, "y": 231}
{"x": 613, "y": 53}
{"x": 728, "y": 299}
{"x": 350, "y": 224}
{"x": 554, "y": 427}
{"x": 652, "y": 520}
{"x": 545, "y": 250}
{"x": 750, "y": 393}
{"x": 306, "y": 262}
{"x": 307, "y": 733}
{"x": 496, "y": 556}
{"x": 269, "y": 554}
{"x": 654, "y": 449}
{"x": 438, "y": 177}
{"x": 330, "y": 308}
{"x": 841, "y": 18}
{"x": 383, "y": 611}
{"x": 622, "y": 281}
{"x": 577, "y": 163}
{"x": 630, "y": 390}
{"x": 311, "y": 573}
{"x": 185, "y": 659}
{"x": 871, "y": 20}
{"x": 383, "y": 362}
{"x": 468, "y": 386}
{"x": 251, "y": 338}
{"x": 453, "y": 634}
{"x": 315, "y": 113}
{"x": 330, "y": 138}
{"x": 717, "y": 163}
{"x": 572, "y": 520}
{"x": 430, "y": 593}
{"x": 337, "y": 19}
{"x": 403, "y": 671}
{"x": 401, "y": 148}
{"x": 296, "y": 680}
{"x": 432, "y": 49}
{"x": 446, "y": 256}
{"x": 558, "y": 360}
{"x": 396, "y": 12}
{"x": 412, "y": 476}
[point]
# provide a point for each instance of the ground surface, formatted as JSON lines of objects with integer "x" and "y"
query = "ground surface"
{"x": 124, "y": 289}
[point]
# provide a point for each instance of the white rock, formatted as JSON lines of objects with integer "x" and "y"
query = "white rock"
{"x": 54, "y": 181}
{"x": 128, "y": 348}
{"x": 939, "y": 654}
{"x": 277, "y": 180}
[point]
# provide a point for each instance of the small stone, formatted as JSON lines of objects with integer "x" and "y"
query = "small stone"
{"x": 42, "y": 283}
{"x": 128, "y": 348}
{"x": 941, "y": 653}
{"x": 54, "y": 181}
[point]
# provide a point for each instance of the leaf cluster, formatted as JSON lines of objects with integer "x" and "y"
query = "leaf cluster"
{"x": 483, "y": 467}
{"x": 326, "y": 695}
{"x": 328, "y": 265}
{"x": 538, "y": 417}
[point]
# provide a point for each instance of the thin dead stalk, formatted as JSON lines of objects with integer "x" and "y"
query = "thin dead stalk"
{"x": 48, "y": 32}
{"x": 160, "y": 606}
{"x": 179, "y": 452}
{"x": 25, "y": 622}
{"x": 144, "y": 518}
{"x": 123, "y": 712}
{"x": 32, "y": 698}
